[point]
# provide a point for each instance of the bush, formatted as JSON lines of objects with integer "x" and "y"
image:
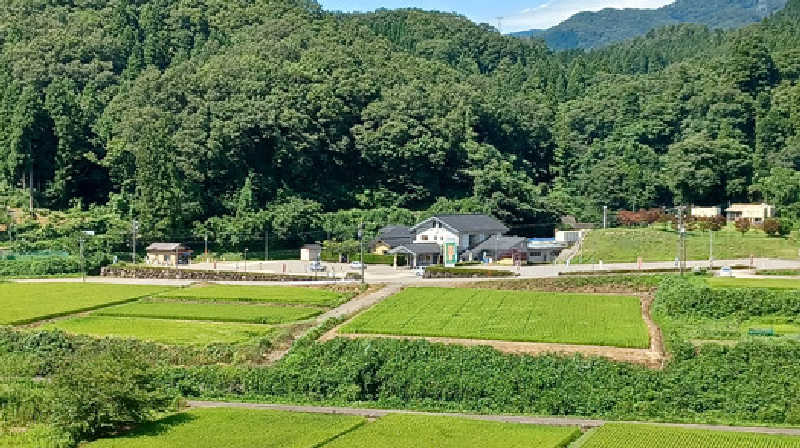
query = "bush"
{"x": 772, "y": 227}
{"x": 42, "y": 266}
{"x": 97, "y": 393}
{"x": 743, "y": 225}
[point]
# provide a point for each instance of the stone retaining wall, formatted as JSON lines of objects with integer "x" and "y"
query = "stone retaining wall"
{"x": 189, "y": 274}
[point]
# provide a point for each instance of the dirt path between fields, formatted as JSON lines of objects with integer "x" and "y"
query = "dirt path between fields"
{"x": 654, "y": 357}
{"x": 584, "y": 424}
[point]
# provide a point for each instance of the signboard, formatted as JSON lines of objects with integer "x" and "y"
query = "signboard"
{"x": 450, "y": 254}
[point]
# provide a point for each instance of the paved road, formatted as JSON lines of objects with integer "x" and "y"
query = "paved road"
{"x": 387, "y": 274}
{"x": 520, "y": 419}
{"x": 361, "y": 302}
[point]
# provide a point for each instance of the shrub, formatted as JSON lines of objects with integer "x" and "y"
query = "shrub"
{"x": 743, "y": 225}
{"x": 772, "y": 227}
{"x": 97, "y": 393}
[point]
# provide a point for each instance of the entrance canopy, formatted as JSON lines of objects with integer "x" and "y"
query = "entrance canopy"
{"x": 419, "y": 253}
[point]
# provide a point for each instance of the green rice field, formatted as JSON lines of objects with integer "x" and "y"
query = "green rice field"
{"x": 257, "y": 314}
{"x": 241, "y": 428}
{"x": 23, "y": 303}
{"x": 275, "y": 294}
{"x": 235, "y": 428}
{"x": 414, "y": 431}
{"x": 581, "y": 319}
{"x": 163, "y": 331}
{"x": 644, "y": 436}
{"x": 770, "y": 283}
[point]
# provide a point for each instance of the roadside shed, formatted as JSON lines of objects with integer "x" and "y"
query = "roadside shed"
{"x": 168, "y": 254}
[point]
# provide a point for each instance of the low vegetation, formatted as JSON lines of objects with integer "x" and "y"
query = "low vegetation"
{"x": 594, "y": 283}
{"x": 274, "y": 294}
{"x": 163, "y": 331}
{"x": 779, "y": 272}
{"x": 644, "y": 436}
{"x": 654, "y": 244}
{"x": 508, "y": 315}
{"x": 218, "y": 312}
{"x": 24, "y": 303}
{"x": 413, "y": 431}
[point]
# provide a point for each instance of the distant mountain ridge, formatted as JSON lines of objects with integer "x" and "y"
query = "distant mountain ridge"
{"x": 598, "y": 29}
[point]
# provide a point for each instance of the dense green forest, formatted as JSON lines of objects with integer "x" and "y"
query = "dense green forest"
{"x": 597, "y": 29}
{"x": 198, "y": 115}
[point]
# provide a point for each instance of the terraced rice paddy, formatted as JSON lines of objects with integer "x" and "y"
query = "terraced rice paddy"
{"x": 274, "y": 294}
{"x": 580, "y": 319}
{"x": 163, "y": 331}
{"x": 241, "y": 428}
{"x": 23, "y": 303}
{"x": 644, "y": 436}
{"x": 413, "y": 431}
{"x": 258, "y": 314}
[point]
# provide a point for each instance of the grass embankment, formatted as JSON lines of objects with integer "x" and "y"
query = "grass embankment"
{"x": 580, "y": 319}
{"x": 235, "y": 428}
{"x": 273, "y": 294}
{"x": 23, "y": 303}
{"x": 644, "y": 436}
{"x": 653, "y": 244}
{"x": 769, "y": 283}
{"x": 162, "y": 331}
{"x": 217, "y": 312}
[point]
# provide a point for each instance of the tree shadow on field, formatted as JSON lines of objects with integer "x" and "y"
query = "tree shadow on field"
{"x": 157, "y": 427}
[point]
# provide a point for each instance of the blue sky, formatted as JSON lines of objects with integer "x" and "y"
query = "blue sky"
{"x": 518, "y": 15}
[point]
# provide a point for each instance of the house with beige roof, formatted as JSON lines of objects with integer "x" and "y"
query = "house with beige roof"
{"x": 756, "y": 213}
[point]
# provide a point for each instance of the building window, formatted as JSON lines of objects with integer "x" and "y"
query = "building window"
{"x": 424, "y": 238}
{"x": 536, "y": 254}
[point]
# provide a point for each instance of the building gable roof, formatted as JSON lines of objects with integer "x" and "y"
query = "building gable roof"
{"x": 504, "y": 243}
{"x": 467, "y": 223}
{"x": 157, "y": 247}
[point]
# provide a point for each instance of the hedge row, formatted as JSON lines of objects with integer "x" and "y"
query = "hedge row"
{"x": 752, "y": 382}
{"x": 51, "y": 266}
{"x": 443, "y": 272}
{"x": 683, "y": 297}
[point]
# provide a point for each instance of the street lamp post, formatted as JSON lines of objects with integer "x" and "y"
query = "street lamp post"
{"x": 245, "y": 260}
{"x": 361, "y": 241}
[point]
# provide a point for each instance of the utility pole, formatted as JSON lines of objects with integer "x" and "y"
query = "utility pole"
{"x": 83, "y": 268}
{"x": 245, "y": 260}
{"x": 711, "y": 249}
{"x": 682, "y": 241}
{"x": 134, "y": 230}
{"x": 205, "y": 246}
{"x": 361, "y": 242}
{"x": 605, "y": 216}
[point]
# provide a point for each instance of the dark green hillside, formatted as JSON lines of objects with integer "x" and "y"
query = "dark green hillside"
{"x": 597, "y": 29}
{"x": 209, "y": 116}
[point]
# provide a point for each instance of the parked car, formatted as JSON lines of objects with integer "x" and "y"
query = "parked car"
{"x": 356, "y": 266}
{"x": 726, "y": 271}
{"x": 317, "y": 266}
{"x": 420, "y": 271}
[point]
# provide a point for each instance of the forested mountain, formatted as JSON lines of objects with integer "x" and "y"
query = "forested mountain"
{"x": 205, "y": 113}
{"x": 597, "y": 29}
